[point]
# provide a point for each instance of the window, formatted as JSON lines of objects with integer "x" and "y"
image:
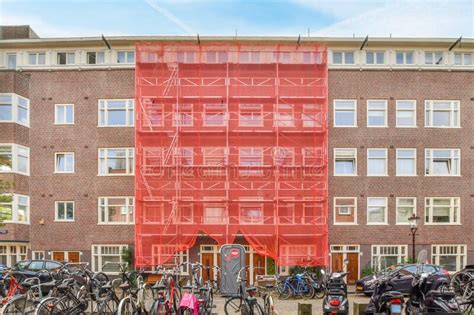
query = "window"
{"x": 442, "y": 210}
{"x": 375, "y": 58}
{"x": 214, "y": 115}
{"x": 36, "y": 59}
{"x": 442, "y": 162}
{"x": 311, "y": 115}
{"x": 14, "y": 208}
{"x": 376, "y": 113}
{"x": 377, "y": 210}
{"x": 64, "y": 162}
{"x": 173, "y": 258}
{"x": 11, "y": 254}
{"x": 406, "y": 207}
{"x": 377, "y": 162}
{"x": 345, "y": 162}
{"x": 451, "y": 257}
{"x": 116, "y": 210}
{"x": 406, "y": 114}
{"x": 11, "y": 61}
{"x": 284, "y": 117}
{"x": 345, "y": 210}
{"x": 284, "y": 156}
{"x": 66, "y": 58}
{"x": 116, "y": 161}
{"x": 251, "y": 160}
{"x": 185, "y": 56}
{"x": 404, "y": 58}
{"x": 183, "y": 115}
{"x": 184, "y": 156}
{"x": 64, "y": 211}
{"x": 214, "y": 213}
{"x": 14, "y": 108}
{"x": 406, "y": 162}
{"x": 343, "y": 58}
{"x": 463, "y": 59}
{"x": 214, "y": 158}
{"x": 249, "y": 56}
{"x": 442, "y": 114}
{"x": 107, "y": 258}
{"x": 38, "y": 255}
{"x": 64, "y": 114}
{"x": 14, "y": 158}
{"x": 345, "y": 113}
{"x": 116, "y": 113}
{"x": 95, "y": 58}
{"x": 125, "y": 57}
{"x": 433, "y": 58}
{"x": 216, "y": 57}
{"x": 251, "y": 213}
{"x": 384, "y": 256}
{"x": 250, "y": 115}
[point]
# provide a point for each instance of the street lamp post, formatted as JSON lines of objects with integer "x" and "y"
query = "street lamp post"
{"x": 413, "y": 228}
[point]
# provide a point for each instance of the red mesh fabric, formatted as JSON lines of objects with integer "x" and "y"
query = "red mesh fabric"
{"x": 231, "y": 140}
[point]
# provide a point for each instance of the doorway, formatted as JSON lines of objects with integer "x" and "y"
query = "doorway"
{"x": 350, "y": 252}
{"x": 70, "y": 257}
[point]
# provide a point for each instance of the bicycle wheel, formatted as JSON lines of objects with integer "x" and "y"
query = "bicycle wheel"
{"x": 285, "y": 292}
{"x": 127, "y": 306}
{"x": 233, "y": 305}
{"x": 45, "y": 306}
{"x": 145, "y": 298}
{"x": 307, "y": 290}
{"x": 254, "y": 309}
{"x": 107, "y": 306}
{"x": 269, "y": 305}
{"x": 61, "y": 306}
{"x": 18, "y": 305}
{"x": 159, "y": 308}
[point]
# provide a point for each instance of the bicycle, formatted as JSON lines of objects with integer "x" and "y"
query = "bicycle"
{"x": 167, "y": 292}
{"x": 136, "y": 300}
{"x": 267, "y": 296}
{"x": 243, "y": 301}
{"x": 197, "y": 295}
{"x": 295, "y": 285}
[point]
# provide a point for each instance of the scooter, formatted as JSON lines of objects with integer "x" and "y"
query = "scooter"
{"x": 336, "y": 301}
{"x": 430, "y": 295}
{"x": 385, "y": 300}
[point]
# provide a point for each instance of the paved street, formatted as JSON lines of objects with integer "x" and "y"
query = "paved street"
{"x": 290, "y": 307}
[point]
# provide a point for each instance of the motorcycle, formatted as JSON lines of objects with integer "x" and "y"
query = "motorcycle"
{"x": 384, "y": 299}
{"x": 429, "y": 294}
{"x": 336, "y": 301}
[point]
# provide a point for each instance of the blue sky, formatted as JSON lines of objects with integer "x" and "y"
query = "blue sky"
{"x": 408, "y": 18}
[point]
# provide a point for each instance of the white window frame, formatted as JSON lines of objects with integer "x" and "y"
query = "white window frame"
{"x": 435, "y": 62}
{"x": 130, "y": 202}
{"x": 344, "y": 59}
{"x": 463, "y": 55}
{"x": 255, "y": 110}
{"x": 354, "y": 209}
{"x": 7, "y": 56}
{"x": 103, "y": 106}
{"x": 15, "y": 209}
{"x": 385, "y": 125}
{"x": 256, "y": 203}
{"x": 454, "y": 111}
{"x": 68, "y": 54}
{"x": 56, "y": 211}
{"x": 454, "y": 211}
{"x": 56, "y": 154}
{"x": 96, "y": 59}
{"x": 369, "y": 159}
{"x": 130, "y": 161}
{"x": 282, "y": 111}
{"x": 15, "y": 105}
{"x": 99, "y": 257}
{"x": 355, "y": 161}
{"x": 400, "y": 158}
{"x": 385, "y": 213}
{"x": 15, "y": 148}
{"x": 429, "y": 169}
{"x": 214, "y": 110}
{"x": 19, "y": 253}
{"x": 376, "y": 253}
{"x": 179, "y": 112}
{"x": 36, "y": 54}
{"x": 404, "y": 63}
{"x": 335, "y": 111}
{"x": 38, "y": 255}
{"x": 404, "y": 206}
{"x": 461, "y": 255}
{"x": 127, "y": 54}
{"x": 376, "y": 55}
{"x": 415, "y": 125}
{"x": 56, "y": 114}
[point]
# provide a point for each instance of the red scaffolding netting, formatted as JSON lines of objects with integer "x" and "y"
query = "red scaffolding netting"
{"x": 231, "y": 139}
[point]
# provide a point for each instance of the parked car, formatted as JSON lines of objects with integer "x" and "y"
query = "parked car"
{"x": 402, "y": 283}
{"x": 30, "y": 268}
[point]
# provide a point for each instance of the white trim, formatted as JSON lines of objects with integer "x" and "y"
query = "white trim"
{"x": 452, "y": 211}
{"x": 15, "y": 208}
{"x": 18, "y": 255}
{"x": 15, "y": 104}
{"x": 385, "y": 125}
{"x": 42, "y": 254}
{"x": 334, "y": 113}
{"x": 386, "y": 162}
{"x": 98, "y": 256}
{"x": 354, "y": 214}
{"x": 65, "y": 115}
{"x": 415, "y": 162}
{"x": 452, "y": 111}
{"x": 402, "y": 253}
{"x": 128, "y": 205}
{"x": 130, "y": 160}
{"x": 65, "y": 154}
{"x": 414, "y": 110}
{"x": 129, "y": 112}
{"x": 385, "y": 213}
{"x": 430, "y": 167}
{"x": 461, "y": 255}
{"x": 398, "y": 205}
{"x": 65, "y": 202}
{"x": 355, "y": 162}
{"x": 15, "y": 163}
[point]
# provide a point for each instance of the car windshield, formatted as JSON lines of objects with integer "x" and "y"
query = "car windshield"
{"x": 22, "y": 264}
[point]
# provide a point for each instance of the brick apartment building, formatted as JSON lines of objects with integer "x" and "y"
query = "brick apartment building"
{"x": 401, "y": 141}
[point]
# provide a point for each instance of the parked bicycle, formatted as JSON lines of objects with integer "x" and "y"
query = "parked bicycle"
{"x": 245, "y": 301}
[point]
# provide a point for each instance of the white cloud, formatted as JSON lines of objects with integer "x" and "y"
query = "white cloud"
{"x": 170, "y": 16}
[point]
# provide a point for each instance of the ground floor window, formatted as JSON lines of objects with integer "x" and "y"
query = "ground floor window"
{"x": 37, "y": 255}
{"x": 388, "y": 255}
{"x": 450, "y": 257}
{"x": 165, "y": 252}
{"x": 107, "y": 258}
{"x": 11, "y": 254}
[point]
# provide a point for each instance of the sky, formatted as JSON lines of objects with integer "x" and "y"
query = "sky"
{"x": 396, "y": 18}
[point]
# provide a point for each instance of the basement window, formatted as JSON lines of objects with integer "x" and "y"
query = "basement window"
{"x": 95, "y": 58}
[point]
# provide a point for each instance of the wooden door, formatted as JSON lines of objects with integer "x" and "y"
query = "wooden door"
{"x": 207, "y": 259}
{"x": 247, "y": 263}
{"x": 258, "y": 265}
{"x": 352, "y": 267}
{"x": 73, "y": 257}
{"x": 59, "y": 256}
{"x": 337, "y": 262}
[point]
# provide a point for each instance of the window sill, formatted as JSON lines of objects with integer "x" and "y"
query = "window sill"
{"x": 386, "y": 175}
{"x": 442, "y": 175}
{"x": 441, "y": 224}
{"x": 406, "y": 175}
{"x": 112, "y": 175}
{"x": 345, "y": 175}
{"x": 65, "y": 221}
{"x": 13, "y": 172}
{"x": 116, "y": 223}
{"x": 377, "y": 126}
{"x": 334, "y": 126}
{"x": 64, "y": 172}
{"x": 346, "y": 224}
{"x": 117, "y": 126}
{"x": 64, "y": 124}
{"x": 406, "y": 127}
{"x": 16, "y": 222}
{"x": 14, "y": 122}
{"x": 378, "y": 224}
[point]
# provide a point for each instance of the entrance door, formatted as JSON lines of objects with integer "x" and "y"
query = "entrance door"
{"x": 337, "y": 262}
{"x": 73, "y": 257}
{"x": 59, "y": 256}
{"x": 207, "y": 260}
{"x": 258, "y": 265}
{"x": 352, "y": 267}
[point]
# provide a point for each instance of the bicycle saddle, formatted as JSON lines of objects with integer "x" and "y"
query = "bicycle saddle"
{"x": 445, "y": 294}
{"x": 125, "y": 286}
{"x": 250, "y": 289}
{"x": 26, "y": 285}
{"x": 187, "y": 287}
{"x": 269, "y": 286}
{"x": 158, "y": 287}
{"x": 49, "y": 284}
{"x": 107, "y": 286}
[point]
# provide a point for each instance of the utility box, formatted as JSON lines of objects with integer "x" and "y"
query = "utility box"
{"x": 232, "y": 260}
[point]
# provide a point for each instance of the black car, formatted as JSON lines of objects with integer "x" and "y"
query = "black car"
{"x": 31, "y": 268}
{"x": 403, "y": 281}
